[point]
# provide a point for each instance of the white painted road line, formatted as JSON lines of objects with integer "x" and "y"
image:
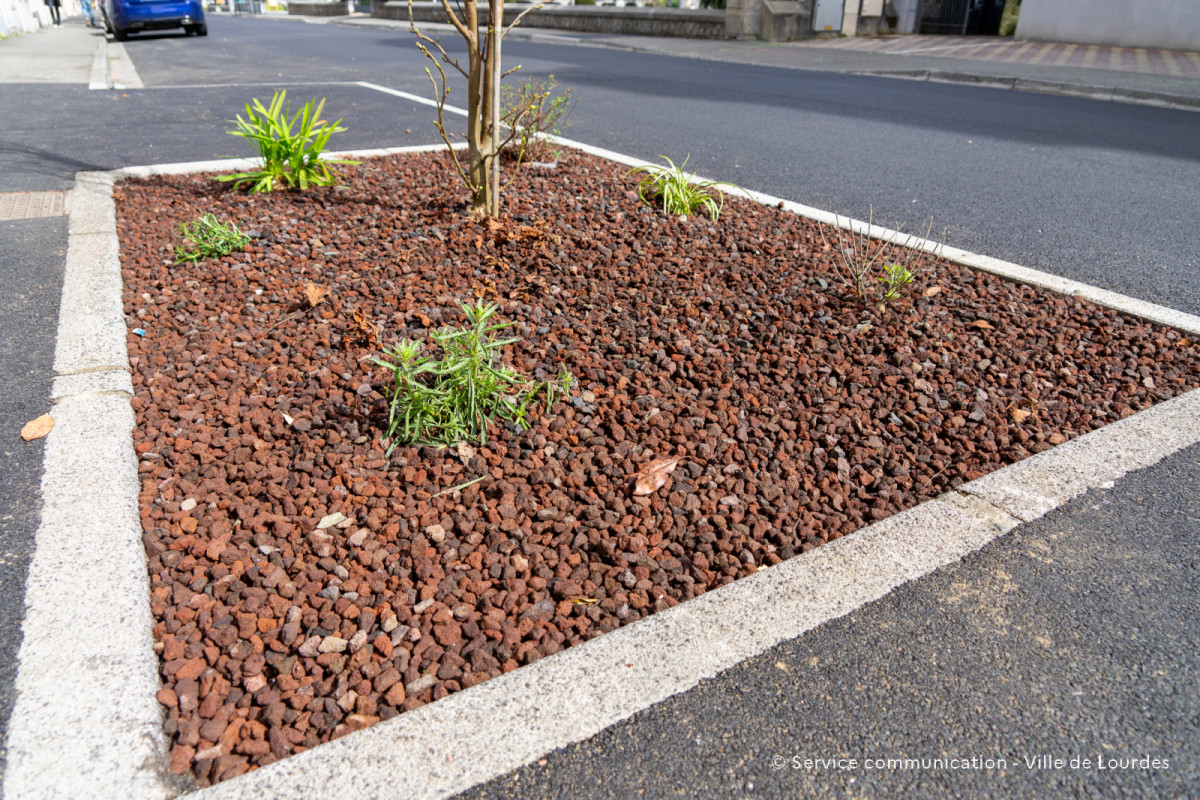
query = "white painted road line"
{"x": 416, "y": 98}
{"x": 86, "y": 723}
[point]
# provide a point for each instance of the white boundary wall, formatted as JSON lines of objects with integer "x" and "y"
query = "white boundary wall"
{"x": 1167, "y": 24}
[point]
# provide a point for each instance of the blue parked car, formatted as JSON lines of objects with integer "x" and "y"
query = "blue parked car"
{"x": 123, "y": 17}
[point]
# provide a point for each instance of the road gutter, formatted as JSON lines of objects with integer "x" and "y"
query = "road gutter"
{"x": 86, "y": 722}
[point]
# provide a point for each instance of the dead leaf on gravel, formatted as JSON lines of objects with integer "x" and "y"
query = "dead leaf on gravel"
{"x": 527, "y": 232}
{"x": 425, "y": 321}
{"x": 36, "y": 429}
{"x": 315, "y": 294}
{"x": 331, "y": 520}
{"x": 363, "y": 332}
{"x": 652, "y": 476}
{"x": 983, "y": 324}
{"x": 931, "y": 291}
{"x": 484, "y": 288}
{"x": 584, "y": 601}
{"x": 287, "y": 418}
{"x": 465, "y": 451}
{"x": 1020, "y": 414}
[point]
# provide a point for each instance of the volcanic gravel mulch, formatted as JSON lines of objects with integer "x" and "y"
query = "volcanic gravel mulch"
{"x": 801, "y": 416}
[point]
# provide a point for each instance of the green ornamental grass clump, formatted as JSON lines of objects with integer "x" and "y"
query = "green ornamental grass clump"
{"x": 679, "y": 193}
{"x": 207, "y": 237}
{"x": 453, "y": 399}
{"x": 290, "y": 145}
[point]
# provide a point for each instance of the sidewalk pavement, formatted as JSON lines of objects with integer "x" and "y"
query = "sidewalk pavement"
{"x": 51, "y": 55}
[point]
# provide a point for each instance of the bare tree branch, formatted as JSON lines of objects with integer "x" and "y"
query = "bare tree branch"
{"x": 520, "y": 16}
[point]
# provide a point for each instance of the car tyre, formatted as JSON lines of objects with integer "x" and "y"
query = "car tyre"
{"x": 120, "y": 34}
{"x": 202, "y": 29}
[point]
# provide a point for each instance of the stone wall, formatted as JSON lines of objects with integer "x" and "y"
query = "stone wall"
{"x": 691, "y": 23}
{"x": 328, "y": 8}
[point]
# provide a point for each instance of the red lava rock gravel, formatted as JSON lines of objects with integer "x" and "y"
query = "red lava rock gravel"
{"x": 800, "y": 416}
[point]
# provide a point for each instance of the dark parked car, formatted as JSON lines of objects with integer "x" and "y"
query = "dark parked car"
{"x": 123, "y": 17}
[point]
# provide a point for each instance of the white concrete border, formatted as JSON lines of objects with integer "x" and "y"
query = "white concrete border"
{"x": 86, "y": 723}
{"x": 122, "y": 74}
{"x": 99, "y": 80}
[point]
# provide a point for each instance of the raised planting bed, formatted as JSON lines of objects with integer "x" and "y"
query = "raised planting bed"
{"x": 800, "y": 415}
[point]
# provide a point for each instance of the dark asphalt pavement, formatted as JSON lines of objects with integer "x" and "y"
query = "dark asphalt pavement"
{"x": 1075, "y": 636}
{"x": 32, "y": 253}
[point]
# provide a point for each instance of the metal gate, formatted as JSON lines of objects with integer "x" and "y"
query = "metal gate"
{"x": 945, "y": 16}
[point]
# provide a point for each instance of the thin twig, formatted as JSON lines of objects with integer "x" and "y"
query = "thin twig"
{"x": 519, "y": 17}
{"x": 461, "y": 486}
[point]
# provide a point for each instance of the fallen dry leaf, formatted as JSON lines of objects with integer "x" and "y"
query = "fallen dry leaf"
{"x": 931, "y": 291}
{"x": 484, "y": 288}
{"x": 652, "y": 476}
{"x": 364, "y": 332}
{"x": 983, "y": 324}
{"x": 315, "y": 294}
{"x": 425, "y": 321}
{"x": 330, "y": 520}
{"x": 36, "y": 429}
{"x": 1020, "y": 414}
{"x": 465, "y": 451}
{"x": 287, "y": 418}
{"x": 585, "y": 601}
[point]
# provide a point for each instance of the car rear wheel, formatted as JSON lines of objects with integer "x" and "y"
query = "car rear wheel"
{"x": 120, "y": 34}
{"x": 202, "y": 29}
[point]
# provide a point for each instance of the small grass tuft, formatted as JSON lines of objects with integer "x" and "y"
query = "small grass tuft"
{"x": 453, "y": 399}
{"x": 206, "y": 237}
{"x": 858, "y": 257}
{"x": 681, "y": 194}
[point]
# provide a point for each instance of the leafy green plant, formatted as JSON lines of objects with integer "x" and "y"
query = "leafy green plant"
{"x": 895, "y": 278}
{"x": 681, "y": 194}
{"x": 858, "y": 257}
{"x": 531, "y": 110}
{"x": 454, "y": 398}
{"x": 206, "y": 237}
{"x": 290, "y": 145}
